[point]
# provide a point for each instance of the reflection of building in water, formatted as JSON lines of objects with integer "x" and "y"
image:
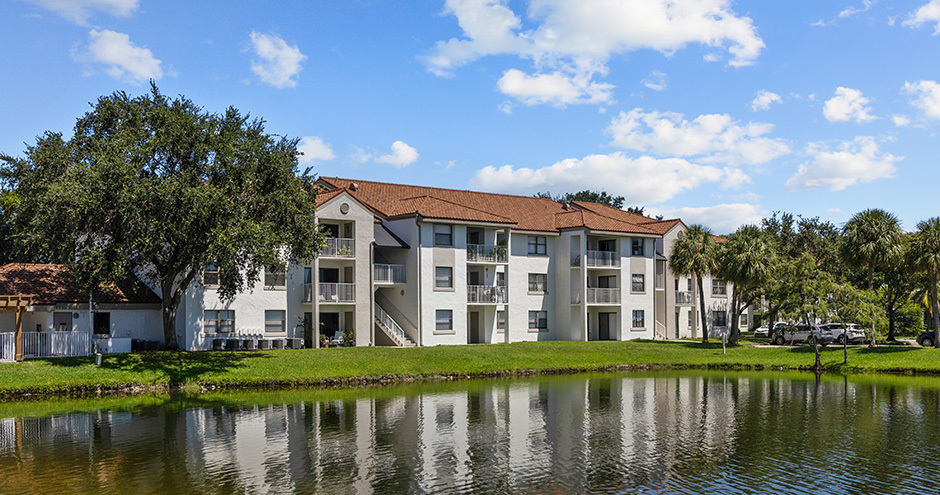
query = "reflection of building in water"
{"x": 567, "y": 434}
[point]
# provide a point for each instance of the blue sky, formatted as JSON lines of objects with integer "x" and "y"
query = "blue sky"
{"x": 716, "y": 111}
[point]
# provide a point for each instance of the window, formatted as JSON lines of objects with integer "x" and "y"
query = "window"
{"x": 538, "y": 320}
{"x": 443, "y": 235}
{"x": 691, "y": 322}
{"x": 636, "y": 247}
{"x": 677, "y": 285}
{"x": 210, "y": 276}
{"x": 274, "y": 321}
{"x": 639, "y": 318}
{"x": 742, "y": 321}
{"x": 274, "y": 279}
{"x": 639, "y": 283}
{"x": 719, "y": 288}
{"x": 444, "y": 277}
{"x": 102, "y": 323}
{"x": 501, "y": 279}
{"x": 500, "y": 321}
{"x": 720, "y": 318}
{"x": 222, "y": 321}
{"x": 688, "y": 284}
{"x": 538, "y": 245}
{"x": 607, "y": 245}
{"x": 538, "y": 282}
{"x": 445, "y": 320}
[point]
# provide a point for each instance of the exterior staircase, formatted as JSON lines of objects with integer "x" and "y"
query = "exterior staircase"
{"x": 392, "y": 329}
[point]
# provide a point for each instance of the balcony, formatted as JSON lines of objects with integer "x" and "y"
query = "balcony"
{"x": 389, "y": 274}
{"x": 683, "y": 298}
{"x": 482, "y": 253}
{"x": 597, "y": 259}
{"x": 603, "y": 296}
{"x": 487, "y": 294}
{"x": 337, "y": 293}
{"x": 338, "y": 248}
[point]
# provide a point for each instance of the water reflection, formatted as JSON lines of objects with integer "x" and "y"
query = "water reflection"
{"x": 656, "y": 433}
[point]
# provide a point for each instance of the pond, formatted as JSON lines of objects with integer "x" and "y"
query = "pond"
{"x": 664, "y": 432}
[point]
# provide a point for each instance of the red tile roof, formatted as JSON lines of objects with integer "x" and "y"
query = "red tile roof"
{"x": 524, "y": 212}
{"x": 51, "y": 284}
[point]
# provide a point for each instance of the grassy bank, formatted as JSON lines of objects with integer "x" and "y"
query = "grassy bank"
{"x": 352, "y": 365}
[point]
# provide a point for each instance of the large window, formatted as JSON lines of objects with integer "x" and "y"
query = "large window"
{"x": 444, "y": 277}
{"x": 719, "y": 288}
{"x": 638, "y": 283}
{"x": 538, "y": 321}
{"x": 221, "y": 321}
{"x": 443, "y": 235}
{"x": 538, "y": 244}
{"x": 636, "y": 247}
{"x": 210, "y": 276}
{"x": 720, "y": 318}
{"x": 500, "y": 321}
{"x": 538, "y": 282}
{"x": 444, "y": 320}
{"x": 639, "y": 318}
{"x": 274, "y": 279}
{"x": 274, "y": 321}
{"x": 102, "y": 323}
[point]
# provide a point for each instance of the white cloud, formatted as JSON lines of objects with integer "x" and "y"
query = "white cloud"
{"x": 571, "y": 42}
{"x": 556, "y": 88}
{"x": 722, "y": 219}
{"x": 764, "y": 99}
{"x": 850, "y": 11}
{"x": 78, "y": 11}
{"x": 277, "y": 63}
{"x": 505, "y": 107}
{"x": 927, "y": 97}
{"x": 848, "y": 104}
{"x": 645, "y": 180}
{"x": 854, "y": 162}
{"x": 927, "y": 13}
{"x": 655, "y": 81}
{"x": 901, "y": 120}
{"x": 313, "y": 148}
{"x": 359, "y": 155}
{"x": 123, "y": 59}
{"x": 401, "y": 155}
{"x": 715, "y": 138}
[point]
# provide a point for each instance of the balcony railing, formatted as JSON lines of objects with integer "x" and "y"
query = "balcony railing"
{"x": 389, "y": 274}
{"x": 603, "y": 296}
{"x": 338, "y": 248}
{"x": 597, "y": 258}
{"x": 487, "y": 294}
{"x": 337, "y": 293}
{"x": 483, "y": 253}
{"x": 684, "y": 297}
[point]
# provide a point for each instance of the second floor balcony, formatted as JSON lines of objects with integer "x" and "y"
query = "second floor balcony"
{"x": 487, "y": 294}
{"x": 596, "y": 259}
{"x": 598, "y": 296}
{"x": 483, "y": 253}
{"x": 684, "y": 297}
{"x": 337, "y": 247}
{"x": 385, "y": 274}
{"x": 331, "y": 293}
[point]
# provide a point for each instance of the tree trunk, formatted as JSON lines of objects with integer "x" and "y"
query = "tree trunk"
{"x": 812, "y": 338}
{"x": 871, "y": 286}
{"x": 934, "y": 313}
{"x": 169, "y": 304}
{"x": 735, "y": 331}
{"x": 701, "y": 304}
{"x": 891, "y": 316}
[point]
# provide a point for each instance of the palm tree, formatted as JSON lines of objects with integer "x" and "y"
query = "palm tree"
{"x": 748, "y": 261}
{"x": 926, "y": 256}
{"x": 871, "y": 237}
{"x": 694, "y": 254}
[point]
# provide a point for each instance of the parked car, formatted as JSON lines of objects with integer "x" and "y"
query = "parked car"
{"x": 764, "y": 330}
{"x": 802, "y": 333}
{"x": 925, "y": 339}
{"x": 847, "y": 331}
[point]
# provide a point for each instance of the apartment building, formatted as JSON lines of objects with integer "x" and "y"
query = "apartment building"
{"x": 409, "y": 265}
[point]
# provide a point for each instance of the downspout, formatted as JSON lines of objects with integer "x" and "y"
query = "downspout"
{"x": 372, "y": 293}
{"x": 420, "y": 314}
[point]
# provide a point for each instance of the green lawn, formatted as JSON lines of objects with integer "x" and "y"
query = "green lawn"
{"x": 357, "y": 365}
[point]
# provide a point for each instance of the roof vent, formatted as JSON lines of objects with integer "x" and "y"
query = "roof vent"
{"x": 564, "y": 206}
{"x": 353, "y": 186}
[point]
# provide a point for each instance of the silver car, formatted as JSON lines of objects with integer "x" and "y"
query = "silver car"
{"x": 802, "y": 333}
{"x": 846, "y": 333}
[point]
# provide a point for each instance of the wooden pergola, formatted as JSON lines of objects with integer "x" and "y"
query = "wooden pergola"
{"x": 17, "y": 305}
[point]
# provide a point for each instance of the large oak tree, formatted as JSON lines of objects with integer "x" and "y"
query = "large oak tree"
{"x": 159, "y": 187}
